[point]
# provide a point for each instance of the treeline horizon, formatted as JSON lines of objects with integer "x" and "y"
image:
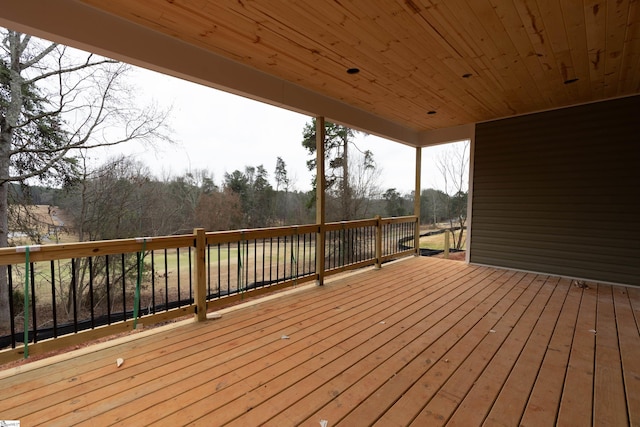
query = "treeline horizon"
{"x": 123, "y": 199}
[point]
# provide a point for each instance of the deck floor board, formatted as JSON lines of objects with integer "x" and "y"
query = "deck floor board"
{"x": 362, "y": 401}
{"x": 629, "y": 341}
{"x": 576, "y": 406}
{"x": 473, "y": 409}
{"x": 544, "y": 400}
{"x": 610, "y": 406}
{"x": 419, "y": 342}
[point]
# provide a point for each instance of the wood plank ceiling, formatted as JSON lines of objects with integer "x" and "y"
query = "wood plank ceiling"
{"x": 465, "y": 60}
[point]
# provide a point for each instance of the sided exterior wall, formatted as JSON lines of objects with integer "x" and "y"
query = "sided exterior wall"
{"x": 559, "y": 192}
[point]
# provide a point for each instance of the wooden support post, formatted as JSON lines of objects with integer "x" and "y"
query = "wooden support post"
{"x": 201, "y": 275}
{"x": 320, "y": 200}
{"x": 416, "y": 200}
{"x": 378, "y": 241}
{"x": 446, "y": 244}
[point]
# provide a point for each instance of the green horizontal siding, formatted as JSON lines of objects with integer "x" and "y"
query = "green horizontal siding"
{"x": 559, "y": 192}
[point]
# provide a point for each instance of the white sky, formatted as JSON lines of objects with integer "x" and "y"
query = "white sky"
{"x": 221, "y": 132}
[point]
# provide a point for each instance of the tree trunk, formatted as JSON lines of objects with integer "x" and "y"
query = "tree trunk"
{"x": 346, "y": 194}
{"x": 5, "y": 293}
{"x": 460, "y": 236}
{"x": 346, "y": 201}
{"x": 7, "y": 125}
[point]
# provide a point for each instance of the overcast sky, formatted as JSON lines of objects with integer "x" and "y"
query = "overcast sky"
{"x": 222, "y": 132}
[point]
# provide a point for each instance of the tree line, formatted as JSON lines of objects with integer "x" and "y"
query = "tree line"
{"x": 122, "y": 198}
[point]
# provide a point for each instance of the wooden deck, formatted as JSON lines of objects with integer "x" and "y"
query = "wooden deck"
{"x": 419, "y": 342}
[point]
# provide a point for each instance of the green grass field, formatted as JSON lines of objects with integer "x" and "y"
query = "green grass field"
{"x": 437, "y": 241}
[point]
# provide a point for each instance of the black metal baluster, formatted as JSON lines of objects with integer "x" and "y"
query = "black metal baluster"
{"x": 33, "y": 301}
{"x": 90, "y": 260}
{"x": 263, "y": 259}
{"x": 284, "y": 273}
{"x": 304, "y": 254}
{"x": 255, "y": 260}
{"x": 229, "y": 257}
{"x": 124, "y": 288}
{"x": 106, "y": 269}
{"x": 315, "y": 254}
{"x": 153, "y": 283}
{"x": 239, "y": 268}
{"x": 178, "y": 278}
{"x": 297, "y": 258}
{"x": 270, "y": 259}
{"x": 53, "y": 299}
{"x": 166, "y": 281}
{"x": 343, "y": 249}
{"x": 74, "y": 295}
{"x": 328, "y": 253}
{"x": 190, "y": 278}
{"x": 245, "y": 251}
{"x": 208, "y": 270}
{"x": 220, "y": 272}
{"x": 278, "y": 260}
{"x": 11, "y": 308}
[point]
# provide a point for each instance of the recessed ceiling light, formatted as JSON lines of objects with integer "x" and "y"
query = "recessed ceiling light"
{"x": 466, "y": 75}
{"x": 569, "y": 81}
{"x": 353, "y": 70}
{"x": 431, "y": 112}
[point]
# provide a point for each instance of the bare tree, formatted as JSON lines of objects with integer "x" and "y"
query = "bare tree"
{"x": 186, "y": 191}
{"x": 220, "y": 210}
{"x": 364, "y": 184}
{"x": 109, "y": 202}
{"x": 454, "y": 167}
{"x": 55, "y": 101}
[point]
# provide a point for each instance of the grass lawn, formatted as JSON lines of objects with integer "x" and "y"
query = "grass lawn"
{"x": 437, "y": 241}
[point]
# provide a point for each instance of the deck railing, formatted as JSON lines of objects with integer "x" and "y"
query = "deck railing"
{"x": 67, "y": 294}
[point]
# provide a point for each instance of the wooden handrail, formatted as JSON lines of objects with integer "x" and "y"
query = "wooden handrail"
{"x": 258, "y": 233}
{"x": 15, "y": 255}
{"x": 346, "y": 225}
{"x": 398, "y": 219}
